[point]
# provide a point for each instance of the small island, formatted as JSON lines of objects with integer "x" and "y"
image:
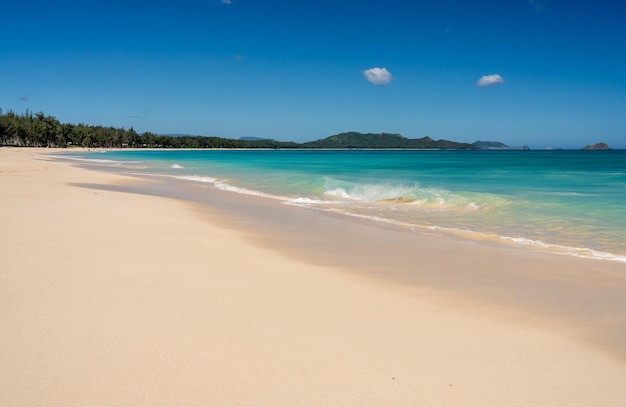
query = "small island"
{"x": 598, "y": 146}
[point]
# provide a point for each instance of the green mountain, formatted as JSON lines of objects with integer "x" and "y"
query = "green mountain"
{"x": 355, "y": 140}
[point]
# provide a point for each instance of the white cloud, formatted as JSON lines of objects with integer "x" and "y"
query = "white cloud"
{"x": 378, "y": 76}
{"x": 488, "y": 80}
{"x": 226, "y": 1}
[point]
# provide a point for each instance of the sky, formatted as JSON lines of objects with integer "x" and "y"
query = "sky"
{"x": 542, "y": 73}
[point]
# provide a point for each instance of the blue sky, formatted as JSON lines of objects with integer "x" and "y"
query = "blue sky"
{"x": 554, "y": 70}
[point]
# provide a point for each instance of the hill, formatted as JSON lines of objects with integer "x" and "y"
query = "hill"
{"x": 355, "y": 140}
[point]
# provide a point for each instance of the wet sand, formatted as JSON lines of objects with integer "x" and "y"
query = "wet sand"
{"x": 114, "y": 292}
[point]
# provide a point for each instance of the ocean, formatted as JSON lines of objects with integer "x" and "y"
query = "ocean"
{"x": 568, "y": 202}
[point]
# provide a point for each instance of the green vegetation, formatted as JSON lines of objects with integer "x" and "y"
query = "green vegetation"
{"x": 384, "y": 140}
{"x": 39, "y": 130}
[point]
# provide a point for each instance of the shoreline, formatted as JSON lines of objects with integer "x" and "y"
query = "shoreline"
{"x": 116, "y": 293}
{"x": 516, "y": 239}
{"x": 496, "y": 278}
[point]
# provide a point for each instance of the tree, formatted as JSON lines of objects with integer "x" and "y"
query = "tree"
{"x": 148, "y": 139}
{"x": 133, "y": 138}
{"x": 3, "y": 129}
{"x": 15, "y": 129}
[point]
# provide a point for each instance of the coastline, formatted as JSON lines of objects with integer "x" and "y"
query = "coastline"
{"x": 115, "y": 293}
{"x": 550, "y": 211}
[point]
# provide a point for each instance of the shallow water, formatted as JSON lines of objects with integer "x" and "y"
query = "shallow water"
{"x": 571, "y": 202}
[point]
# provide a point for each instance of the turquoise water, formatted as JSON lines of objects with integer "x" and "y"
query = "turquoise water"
{"x": 572, "y": 202}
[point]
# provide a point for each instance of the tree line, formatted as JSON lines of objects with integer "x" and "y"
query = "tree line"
{"x": 30, "y": 129}
{"x": 38, "y": 130}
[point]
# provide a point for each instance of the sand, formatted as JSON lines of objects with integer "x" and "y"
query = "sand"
{"x": 116, "y": 298}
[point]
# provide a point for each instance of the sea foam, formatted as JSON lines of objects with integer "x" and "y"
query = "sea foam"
{"x": 425, "y": 198}
{"x": 98, "y": 160}
{"x": 197, "y": 178}
{"x": 224, "y": 186}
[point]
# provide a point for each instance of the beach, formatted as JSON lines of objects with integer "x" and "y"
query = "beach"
{"x": 115, "y": 291}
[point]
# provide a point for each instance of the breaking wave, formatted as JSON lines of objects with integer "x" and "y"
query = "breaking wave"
{"x": 432, "y": 199}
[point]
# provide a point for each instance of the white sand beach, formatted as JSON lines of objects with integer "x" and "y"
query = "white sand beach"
{"x": 129, "y": 299}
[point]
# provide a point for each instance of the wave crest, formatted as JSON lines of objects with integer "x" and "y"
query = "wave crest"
{"x": 425, "y": 198}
